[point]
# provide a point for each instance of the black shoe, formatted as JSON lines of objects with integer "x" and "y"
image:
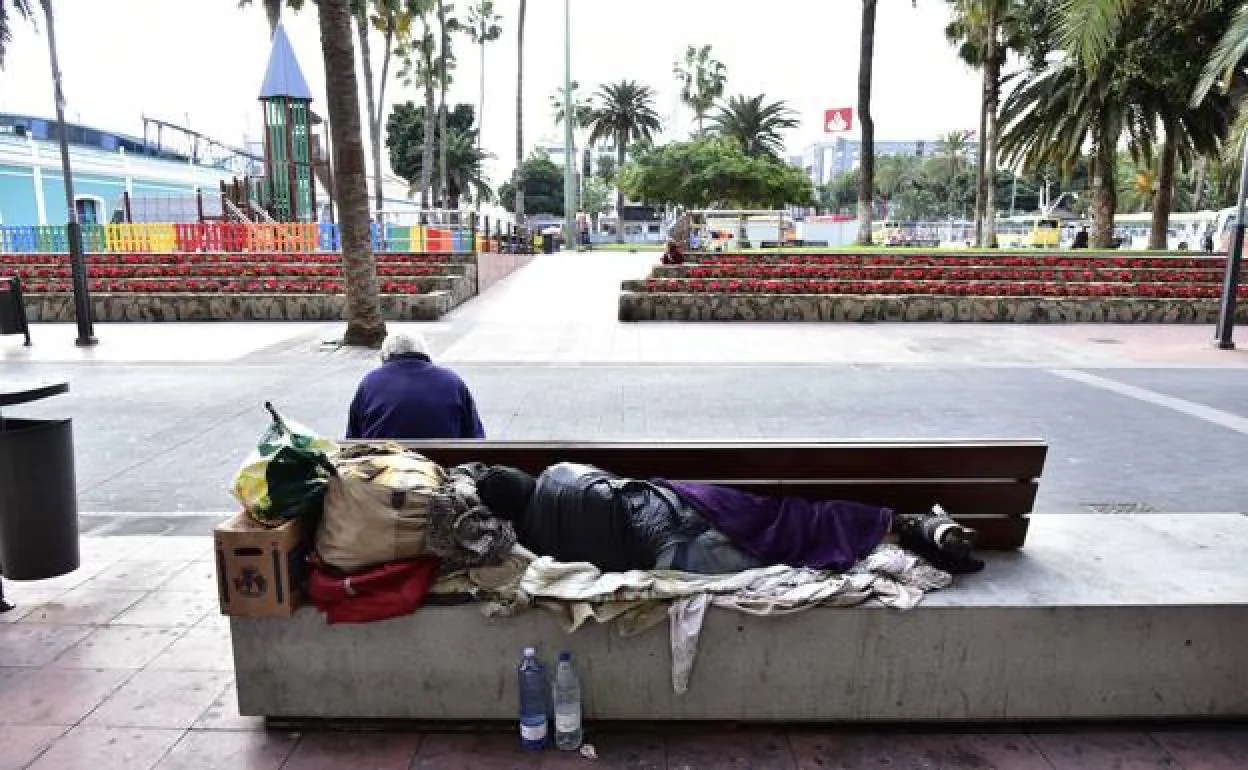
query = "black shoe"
{"x": 942, "y": 541}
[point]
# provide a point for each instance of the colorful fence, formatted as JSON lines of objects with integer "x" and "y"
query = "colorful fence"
{"x": 233, "y": 237}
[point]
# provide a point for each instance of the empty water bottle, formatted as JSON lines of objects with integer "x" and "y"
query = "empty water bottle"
{"x": 567, "y": 697}
{"x": 533, "y": 694}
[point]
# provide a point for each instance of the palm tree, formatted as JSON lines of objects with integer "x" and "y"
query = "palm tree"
{"x": 953, "y": 146}
{"x": 977, "y": 28}
{"x": 272, "y": 9}
{"x": 866, "y": 167}
{"x": 519, "y": 175}
{"x": 16, "y": 7}
{"x": 866, "y": 175}
{"x": 484, "y": 28}
{"x": 756, "y": 125}
{"x": 702, "y": 80}
{"x": 393, "y": 22}
{"x": 465, "y": 168}
{"x": 444, "y": 52}
{"x": 582, "y": 109}
{"x": 1052, "y": 116}
{"x": 582, "y": 118}
{"x": 420, "y": 66}
{"x": 1155, "y": 49}
{"x": 365, "y": 325}
{"x": 623, "y": 114}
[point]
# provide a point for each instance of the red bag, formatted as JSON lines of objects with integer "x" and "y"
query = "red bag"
{"x": 388, "y": 591}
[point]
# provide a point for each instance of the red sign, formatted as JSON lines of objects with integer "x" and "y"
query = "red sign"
{"x": 839, "y": 120}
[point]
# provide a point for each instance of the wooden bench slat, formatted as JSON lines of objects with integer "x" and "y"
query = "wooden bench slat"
{"x": 987, "y": 484}
{"x": 761, "y": 460}
{"x": 972, "y": 498}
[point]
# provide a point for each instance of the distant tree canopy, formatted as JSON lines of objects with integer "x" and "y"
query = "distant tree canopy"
{"x": 543, "y": 187}
{"x": 405, "y": 135}
{"x": 713, "y": 171}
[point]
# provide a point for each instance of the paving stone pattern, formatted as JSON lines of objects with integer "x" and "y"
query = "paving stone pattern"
{"x": 125, "y": 664}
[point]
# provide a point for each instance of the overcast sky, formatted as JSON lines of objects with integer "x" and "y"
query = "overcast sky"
{"x": 202, "y": 61}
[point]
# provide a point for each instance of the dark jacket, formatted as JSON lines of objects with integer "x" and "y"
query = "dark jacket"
{"x": 409, "y": 397}
{"x": 578, "y": 513}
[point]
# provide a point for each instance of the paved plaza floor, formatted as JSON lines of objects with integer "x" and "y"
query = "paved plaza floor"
{"x": 126, "y": 664}
{"x": 1138, "y": 417}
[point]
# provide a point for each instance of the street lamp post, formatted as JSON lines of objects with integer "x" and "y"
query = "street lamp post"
{"x": 1234, "y": 260}
{"x": 73, "y": 232}
{"x": 569, "y": 174}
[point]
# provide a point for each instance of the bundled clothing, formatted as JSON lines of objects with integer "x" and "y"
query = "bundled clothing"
{"x": 463, "y": 533}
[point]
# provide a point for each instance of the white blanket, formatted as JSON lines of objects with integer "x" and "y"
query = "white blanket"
{"x": 639, "y": 600}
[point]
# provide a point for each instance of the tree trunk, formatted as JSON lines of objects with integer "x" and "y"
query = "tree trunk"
{"x": 363, "y": 303}
{"x": 1104, "y": 194}
{"x": 426, "y": 152}
{"x": 520, "y": 112}
{"x": 992, "y": 94}
{"x": 866, "y": 176}
{"x": 981, "y": 162}
{"x": 619, "y": 194}
{"x": 370, "y": 100}
{"x": 481, "y": 99}
{"x": 1198, "y": 188}
{"x": 443, "y": 186}
{"x": 273, "y": 11}
{"x": 1164, "y": 199}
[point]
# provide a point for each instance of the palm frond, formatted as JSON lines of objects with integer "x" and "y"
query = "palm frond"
{"x": 1088, "y": 28}
{"x": 20, "y": 8}
{"x": 1227, "y": 55}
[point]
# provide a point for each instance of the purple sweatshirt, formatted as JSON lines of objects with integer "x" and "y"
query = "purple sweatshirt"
{"x": 827, "y": 534}
{"x": 409, "y": 397}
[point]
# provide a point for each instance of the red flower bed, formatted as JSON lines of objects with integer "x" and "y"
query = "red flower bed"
{"x": 941, "y": 288}
{"x": 194, "y": 286}
{"x": 964, "y": 260}
{"x": 985, "y": 273}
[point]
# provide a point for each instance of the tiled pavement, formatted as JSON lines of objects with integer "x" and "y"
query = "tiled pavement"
{"x": 125, "y": 664}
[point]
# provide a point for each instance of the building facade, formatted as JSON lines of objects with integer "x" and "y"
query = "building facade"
{"x": 823, "y": 161}
{"x": 106, "y": 165}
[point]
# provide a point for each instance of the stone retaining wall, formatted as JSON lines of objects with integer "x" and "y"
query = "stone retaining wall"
{"x": 108, "y": 308}
{"x": 493, "y": 267}
{"x": 642, "y": 306}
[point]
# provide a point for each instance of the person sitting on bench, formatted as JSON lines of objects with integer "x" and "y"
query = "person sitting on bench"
{"x": 409, "y": 397}
{"x": 578, "y": 513}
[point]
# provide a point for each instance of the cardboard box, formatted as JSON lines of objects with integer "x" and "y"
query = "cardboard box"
{"x": 260, "y": 570}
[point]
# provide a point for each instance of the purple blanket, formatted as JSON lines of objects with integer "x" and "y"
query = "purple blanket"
{"x": 827, "y": 534}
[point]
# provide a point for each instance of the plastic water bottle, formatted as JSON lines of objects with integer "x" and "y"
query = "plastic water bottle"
{"x": 533, "y": 693}
{"x": 567, "y": 697}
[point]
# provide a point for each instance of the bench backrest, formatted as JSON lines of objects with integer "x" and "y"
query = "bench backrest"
{"x": 990, "y": 485}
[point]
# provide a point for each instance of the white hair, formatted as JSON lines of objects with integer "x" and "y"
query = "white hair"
{"x": 399, "y": 344}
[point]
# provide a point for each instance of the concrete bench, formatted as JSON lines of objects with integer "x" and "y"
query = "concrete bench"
{"x": 452, "y": 663}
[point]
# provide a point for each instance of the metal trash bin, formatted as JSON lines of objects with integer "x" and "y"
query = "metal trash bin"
{"x": 38, "y": 492}
{"x": 548, "y": 243}
{"x": 13, "y": 309}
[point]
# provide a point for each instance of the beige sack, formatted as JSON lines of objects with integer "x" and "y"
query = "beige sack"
{"x": 377, "y": 507}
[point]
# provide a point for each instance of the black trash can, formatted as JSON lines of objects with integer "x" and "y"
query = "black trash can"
{"x": 38, "y": 493}
{"x": 548, "y": 243}
{"x": 13, "y": 309}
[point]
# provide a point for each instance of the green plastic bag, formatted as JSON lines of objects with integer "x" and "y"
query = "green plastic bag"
{"x": 286, "y": 476}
